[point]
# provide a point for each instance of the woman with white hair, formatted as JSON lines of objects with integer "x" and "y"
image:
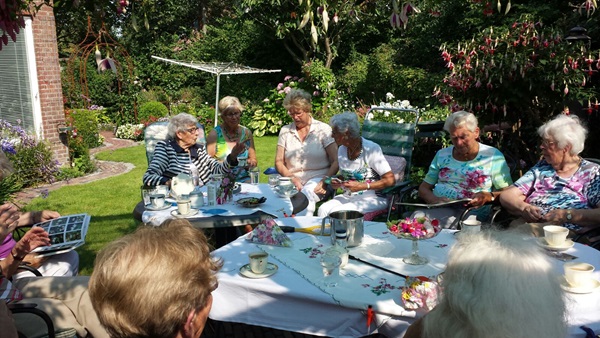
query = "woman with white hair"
{"x": 180, "y": 153}
{"x": 467, "y": 169}
{"x": 363, "y": 169}
{"x": 497, "y": 284}
{"x": 562, "y": 187}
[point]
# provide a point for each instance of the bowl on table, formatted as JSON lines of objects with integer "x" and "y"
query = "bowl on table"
{"x": 251, "y": 202}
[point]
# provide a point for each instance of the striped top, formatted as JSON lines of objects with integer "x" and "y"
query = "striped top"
{"x": 170, "y": 160}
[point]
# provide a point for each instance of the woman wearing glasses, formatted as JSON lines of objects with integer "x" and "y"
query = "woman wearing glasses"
{"x": 562, "y": 188}
{"x": 306, "y": 150}
{"x": 224, "y": 137}
{"x": 180, "y": 153}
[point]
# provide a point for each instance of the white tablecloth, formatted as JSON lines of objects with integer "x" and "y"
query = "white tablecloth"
{"x": 294, "y": 300}
{"x": 274, "y": 205}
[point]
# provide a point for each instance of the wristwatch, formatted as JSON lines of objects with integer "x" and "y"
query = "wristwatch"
{"x": 569, "y": 215}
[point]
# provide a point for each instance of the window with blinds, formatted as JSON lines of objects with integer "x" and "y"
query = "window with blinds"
{"x": 16, "y": 98}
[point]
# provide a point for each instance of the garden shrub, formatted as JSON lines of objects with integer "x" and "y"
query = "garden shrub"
{"x": 9, "y": 186}
{"x": 85, "y": 125}
{"x": 79, "y": 154}
{"x": 152, "y": 109}
{"x": 32, "y": 159}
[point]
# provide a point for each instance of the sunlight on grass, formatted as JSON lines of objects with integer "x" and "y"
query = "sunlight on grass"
{"x": 111, "y": 201}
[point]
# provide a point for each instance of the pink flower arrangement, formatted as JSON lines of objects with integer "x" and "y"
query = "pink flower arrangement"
{"x": 415, "y": 228}
{"x": 420, "y": 293}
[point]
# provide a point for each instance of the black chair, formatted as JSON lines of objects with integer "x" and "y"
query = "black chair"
{"x": 30, "y": 308}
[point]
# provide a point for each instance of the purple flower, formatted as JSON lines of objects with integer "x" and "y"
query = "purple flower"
{"x": 316, "y": 93}
{"x": 287, "y": 77}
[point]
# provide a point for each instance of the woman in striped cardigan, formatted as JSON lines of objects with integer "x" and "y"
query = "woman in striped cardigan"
{"x": 180, "y": 153}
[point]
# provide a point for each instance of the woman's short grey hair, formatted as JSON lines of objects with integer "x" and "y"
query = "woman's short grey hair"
{"x": 230, "y": 102}
{"x": 180, "y": 122}
{"x": 493, "y": 283}
{"x": 298, "y": 99}
{"x": 346, "y": 122}
{"x": 565, "y": 130}
{"x": 461, "y": 119}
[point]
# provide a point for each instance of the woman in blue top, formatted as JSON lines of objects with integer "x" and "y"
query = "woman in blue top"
{"x": 467, "y": 169}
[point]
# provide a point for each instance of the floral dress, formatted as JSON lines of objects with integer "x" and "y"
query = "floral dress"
{"x": 543, "y": 188}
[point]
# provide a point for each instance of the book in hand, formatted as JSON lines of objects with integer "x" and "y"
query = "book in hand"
{"x": 66, "y": 233}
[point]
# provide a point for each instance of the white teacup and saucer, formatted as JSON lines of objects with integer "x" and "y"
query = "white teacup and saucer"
{"x": 555, "y": 238}
{"x": 578, "y": 278}
{"x": 259, "y": 266}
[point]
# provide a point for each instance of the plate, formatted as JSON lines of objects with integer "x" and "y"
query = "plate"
{"x": 251, "y": 202}
{"x": 565, "y": 246}
{"x": 573, "y": 289}
{"x": 175, "y": 213}
{"x": 164, "y": 207}
{"x": 270, "y": 270}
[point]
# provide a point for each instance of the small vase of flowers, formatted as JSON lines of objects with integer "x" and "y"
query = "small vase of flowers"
{"x": 225, "y": 190}
{"x": 415, "y": 229}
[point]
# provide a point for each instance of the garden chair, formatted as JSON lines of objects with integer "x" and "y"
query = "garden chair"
{"x": 157, "y": 131}
{"x": 396, "y": 140}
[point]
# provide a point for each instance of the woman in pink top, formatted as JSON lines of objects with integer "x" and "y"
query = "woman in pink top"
{"x": 306, "y": 150}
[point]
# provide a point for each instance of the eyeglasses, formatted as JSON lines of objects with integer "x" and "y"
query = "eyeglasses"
{"x": 547, "y": 144}
{"x": 192, "y": 130}
{"x": 295, "y": 113}
{"x": 236, "y": 114}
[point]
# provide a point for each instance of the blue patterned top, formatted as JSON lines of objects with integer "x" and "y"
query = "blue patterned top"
{"x": 543, "y": 188}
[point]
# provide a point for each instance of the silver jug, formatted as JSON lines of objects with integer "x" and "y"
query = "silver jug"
{"x": 349, "y": 220}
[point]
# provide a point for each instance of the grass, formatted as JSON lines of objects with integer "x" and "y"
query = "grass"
{"x": 111, "y": 201}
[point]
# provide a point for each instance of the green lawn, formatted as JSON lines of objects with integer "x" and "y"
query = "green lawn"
{"x": 110, "y": 202}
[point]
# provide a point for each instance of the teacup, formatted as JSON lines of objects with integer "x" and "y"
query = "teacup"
{"x": 555, "y": 235}
{"x": 157, "y": 200}
{"x": 183, "y": 207}
{"x": 470, "y": 226}
{"x": 258, "y": 261}
{"x": 579, "y": 274}
{"x": 162, "y": 189}
{"x": 285, "y": 181}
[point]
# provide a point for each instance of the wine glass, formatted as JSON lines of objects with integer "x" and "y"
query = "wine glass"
{"x": 330, "y": 262}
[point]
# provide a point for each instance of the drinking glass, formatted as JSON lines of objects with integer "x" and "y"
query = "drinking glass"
{"x": 273, "y": 180}
{"x": 330, "y": 262}
{"x": 254, "y": 175}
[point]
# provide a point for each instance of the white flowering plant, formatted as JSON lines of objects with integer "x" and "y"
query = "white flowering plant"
{"x": 130, "y": 131}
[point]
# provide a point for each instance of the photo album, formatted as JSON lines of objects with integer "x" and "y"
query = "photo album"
{"x": 66, "y": 233}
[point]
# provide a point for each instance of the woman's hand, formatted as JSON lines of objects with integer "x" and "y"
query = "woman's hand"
{"x": 354, "y": 185}
{"x": 531, "y": 213}
{"x": 320, "y": 188}
{"x": 297, "y": 182}
{"x": 46, "y": 215}
{"x": 9, "y": 219}
{"x": 238, "y": 149}
{"x": 252, "y": 162}
{"x": 34, "y": 238}
{"x": 556, "y": 216}
{"x": 481, "y": 198}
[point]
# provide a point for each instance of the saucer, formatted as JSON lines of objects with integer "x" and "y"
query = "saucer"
{"x": 164, "y": 207}
{"x": 579, "y": 289}
{"x": 565, "y": 246}
{"x": 175, "y": 213}
{"x": 270, "y": 270}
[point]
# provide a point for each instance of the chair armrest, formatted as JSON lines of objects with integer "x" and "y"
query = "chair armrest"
{"x": 31, "y": 269}
{"x": 32, "y": 308}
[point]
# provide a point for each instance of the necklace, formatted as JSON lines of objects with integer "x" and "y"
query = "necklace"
{"x": 353, "y": 150}
{"x": 230, "y": 137}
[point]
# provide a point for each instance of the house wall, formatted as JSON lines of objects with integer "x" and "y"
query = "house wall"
{"x": 50, "y": 89}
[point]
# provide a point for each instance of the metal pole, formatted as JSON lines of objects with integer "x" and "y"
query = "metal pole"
{"x": 217, "y": 99}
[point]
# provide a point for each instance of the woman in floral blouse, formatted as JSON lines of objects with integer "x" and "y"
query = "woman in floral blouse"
{"x": 467, "y": 169}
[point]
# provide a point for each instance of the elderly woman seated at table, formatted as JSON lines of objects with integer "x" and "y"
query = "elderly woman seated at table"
{"x": 363, "y": 169}
{"x": 181, "y": 154}
{"x": 496, "y": 284}
{"x": 467, "y": 169}
{"x": 306, "y": 152}
{"x": 562, "y": 188}
{"x": 223, "y": 138}
{"x": 173, "y": 276}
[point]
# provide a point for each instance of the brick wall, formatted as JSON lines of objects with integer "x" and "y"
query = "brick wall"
{"x": 48, "y": 71}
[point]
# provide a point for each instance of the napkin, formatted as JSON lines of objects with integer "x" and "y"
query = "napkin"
{"x": 268, "y": 232}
